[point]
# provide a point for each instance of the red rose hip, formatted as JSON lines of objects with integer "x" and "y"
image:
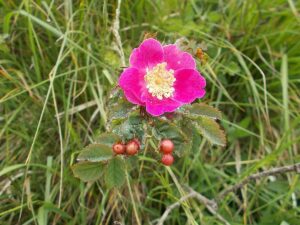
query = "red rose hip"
{"x": 119, "y": 148}
{"x": 166, "y": 146}
{"x": 132, "y": 147}
{"x": 167, "y": 159}
{"x": 137, "y": 141}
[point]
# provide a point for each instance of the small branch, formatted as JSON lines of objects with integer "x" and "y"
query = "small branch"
{"x": 221, "y": 218}
{"x": 173, "y": 206}
{"x": 211, "y": 206}
{"x": 204, "y": 200}
{"x": 275, "y": 171}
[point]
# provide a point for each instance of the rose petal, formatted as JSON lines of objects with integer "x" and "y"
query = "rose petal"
{"x": 157, "y": 107}
{"x": 177, "y": 59}
{"x": 148, "y": 54}
{"x": 132, "y": 82}
{"x": 189, "y": 85}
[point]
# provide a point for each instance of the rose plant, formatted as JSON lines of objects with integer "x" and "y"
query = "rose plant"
{"x": 151, "y": 108}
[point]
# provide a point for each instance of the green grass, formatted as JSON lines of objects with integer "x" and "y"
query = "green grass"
{"x": 60, "y": 58}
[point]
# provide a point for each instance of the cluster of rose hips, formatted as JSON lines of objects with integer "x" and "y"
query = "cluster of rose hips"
{"x": 132, "y": 147}
{"x": 166, "y": 148}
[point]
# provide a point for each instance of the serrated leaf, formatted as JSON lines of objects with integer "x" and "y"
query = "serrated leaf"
{"x": 211, "y": 130}
{"x": 132, "y": 127}
{"x": 169, "y": 130}
{"x": 187, "y": 127}
{"x": 196, "y": 140}
{"x": 108, "y": 139}
{"x": 115, "y": 173}
{"x": 201, "y": 109}
{"x": 87, "y": 171}
{"x": 95, "y": 153}
{"x": 194, "y": 137}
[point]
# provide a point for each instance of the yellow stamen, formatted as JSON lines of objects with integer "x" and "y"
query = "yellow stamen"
{"x": 160, "y": 81}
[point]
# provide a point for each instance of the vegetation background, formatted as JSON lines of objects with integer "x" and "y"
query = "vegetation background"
{"x": 58, "y": 61}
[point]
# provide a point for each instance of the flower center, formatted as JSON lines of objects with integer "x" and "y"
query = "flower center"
{"x": 159, "y": 81}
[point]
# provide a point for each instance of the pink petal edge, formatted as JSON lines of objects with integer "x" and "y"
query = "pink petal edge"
{"x": 177, "y": 59}
{"x": 131, "y": 81}
{"x": 157, "y": 107}
{"x": 148, "y": 54}
{"x": 189, "y": 85}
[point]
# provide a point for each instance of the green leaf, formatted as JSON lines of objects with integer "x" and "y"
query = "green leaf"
{"x": 120, "y": 109}
{"x": 236, "y": 133}
{"x": 211, "y": 130}
{"x": 233, "y": 68}
{"x": 115, "y": 173}
{"x": 54, "y": 208}
{"x": 87, "y": 171}
{"x": 108, "y": 139}
{"x": 166, "y": 129}
{"x": 118, "y": 106}
{"x": 196, "y": 140}
{"x": 8, "y": 169}
{"x": 132, "y": 127}
{"x": 201, "y": 109}
{"x": 188, "y": 128}
{"x": 95, "y": 153}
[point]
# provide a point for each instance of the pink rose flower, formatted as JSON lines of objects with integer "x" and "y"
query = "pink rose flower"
{"x": 161, "y": 78}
